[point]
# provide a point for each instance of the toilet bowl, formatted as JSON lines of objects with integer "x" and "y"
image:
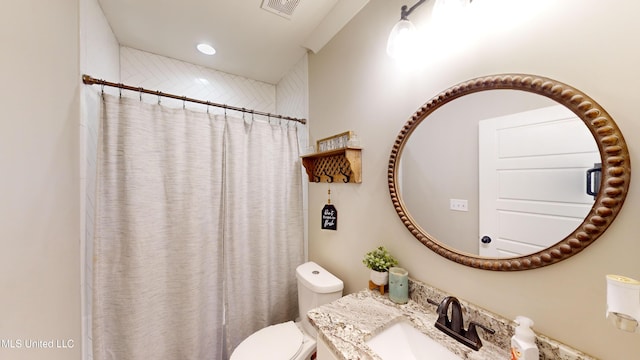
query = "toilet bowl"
{"x": 285, "y": 341}
{"x": 293, "y": 340}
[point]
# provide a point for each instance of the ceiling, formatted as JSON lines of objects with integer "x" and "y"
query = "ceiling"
{"x": 250, "y": 41}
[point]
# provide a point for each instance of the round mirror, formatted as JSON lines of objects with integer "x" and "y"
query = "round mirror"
{"x": 509, "y": 172}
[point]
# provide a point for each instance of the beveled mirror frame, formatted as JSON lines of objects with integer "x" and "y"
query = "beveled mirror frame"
{"x": 616, "y": 170}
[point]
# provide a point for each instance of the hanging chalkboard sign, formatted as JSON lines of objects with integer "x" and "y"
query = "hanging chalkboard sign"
{"x": 329, "y": 217}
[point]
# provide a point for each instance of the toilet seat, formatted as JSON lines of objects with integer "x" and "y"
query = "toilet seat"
{"x": 276, "y": 342}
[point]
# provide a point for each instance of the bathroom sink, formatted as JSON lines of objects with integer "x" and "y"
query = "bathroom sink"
{"x": 403, "y": 341}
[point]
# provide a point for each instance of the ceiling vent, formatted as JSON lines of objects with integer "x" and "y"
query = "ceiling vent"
{"x": 284, "y": 8}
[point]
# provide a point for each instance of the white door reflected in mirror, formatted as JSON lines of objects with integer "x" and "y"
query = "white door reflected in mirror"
{"x": 532, "y": 179}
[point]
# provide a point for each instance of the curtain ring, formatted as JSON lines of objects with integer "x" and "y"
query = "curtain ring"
{"x": 102, "y": 89}
{"x": 244, "y": 112}
{"x": 120, "y": 90}
{"x": 207, "y": 107}
{"x": 225, "y": 111}
{"x": 158, "y": 97}
{"x": 140, "y": 94}
{"x": 184, "y": 102}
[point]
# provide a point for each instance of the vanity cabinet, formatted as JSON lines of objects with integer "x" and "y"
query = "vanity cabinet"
{"x": 340, "y": 165}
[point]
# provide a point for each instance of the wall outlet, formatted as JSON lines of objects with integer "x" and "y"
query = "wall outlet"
{"x": 458, "y": 205}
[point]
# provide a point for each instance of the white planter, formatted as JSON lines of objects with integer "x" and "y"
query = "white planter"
{"x": 379, "y": 277}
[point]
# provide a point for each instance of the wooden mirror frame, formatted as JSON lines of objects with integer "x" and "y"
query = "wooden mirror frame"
{"x": 615, "y": 177}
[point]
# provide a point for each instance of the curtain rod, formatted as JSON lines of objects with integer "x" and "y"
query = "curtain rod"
{"x": 93, "y": 81}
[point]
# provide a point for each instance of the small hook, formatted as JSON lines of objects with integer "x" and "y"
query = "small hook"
{"x": 207, "y": 107}
{"x": 225, "y": 111}
{"x": 346, "y": 176}
{"x": 329, "y": 177}
{"x": 102, "y": 89}
{"x": 140, "y": 89}
{"x": 158, "y": 96}
{"x": 120, "y": 89}
{"x": 184, "y": 102}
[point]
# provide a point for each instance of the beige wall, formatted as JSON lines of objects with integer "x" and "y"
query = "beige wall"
{"x": 354, "y": 86}
{"x": 39, "y": 179}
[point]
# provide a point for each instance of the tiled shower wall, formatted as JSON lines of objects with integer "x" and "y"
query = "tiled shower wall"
{"x": 292, "y": 91}
{"x": 154, "y": 72}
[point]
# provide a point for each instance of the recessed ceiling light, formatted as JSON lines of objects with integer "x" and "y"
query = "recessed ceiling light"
{"x": 206, "y": 49}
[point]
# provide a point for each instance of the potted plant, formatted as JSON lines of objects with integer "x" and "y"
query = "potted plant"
{"x": 379, "y": 260}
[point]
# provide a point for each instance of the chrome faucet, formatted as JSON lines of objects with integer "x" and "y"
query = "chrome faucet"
{"x": 454, "y": 326}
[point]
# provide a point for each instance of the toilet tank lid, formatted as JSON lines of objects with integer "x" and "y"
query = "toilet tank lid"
{"x": 316, "y": 278}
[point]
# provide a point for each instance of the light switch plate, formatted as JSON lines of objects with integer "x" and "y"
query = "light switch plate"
{"x": 458, "y": 205}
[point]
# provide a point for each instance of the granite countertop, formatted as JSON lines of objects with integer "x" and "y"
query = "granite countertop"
{"x": 347, "y": 323}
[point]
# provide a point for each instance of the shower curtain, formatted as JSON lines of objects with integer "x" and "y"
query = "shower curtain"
{"x": 198, "y": 231}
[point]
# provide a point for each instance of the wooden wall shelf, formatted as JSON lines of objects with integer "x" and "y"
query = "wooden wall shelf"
{"x": 341, "y": 165}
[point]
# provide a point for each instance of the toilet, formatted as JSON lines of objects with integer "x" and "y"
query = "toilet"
{"x": 294, "y": 340}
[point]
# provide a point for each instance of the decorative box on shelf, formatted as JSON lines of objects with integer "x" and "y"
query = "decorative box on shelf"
{"x": 338, "y": 141}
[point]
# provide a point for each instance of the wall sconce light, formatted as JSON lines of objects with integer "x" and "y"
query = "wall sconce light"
{"x": 402, "y": 38}
{"x": 402, "y": 41}
{"x": 623, "y": 302}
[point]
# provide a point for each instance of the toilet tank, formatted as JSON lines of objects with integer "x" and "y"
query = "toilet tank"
{"x": 316, "y": 286}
